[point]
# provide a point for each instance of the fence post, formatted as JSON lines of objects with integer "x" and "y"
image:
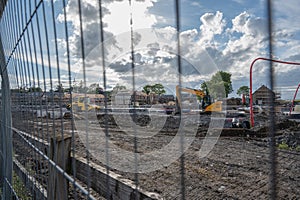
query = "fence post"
{"x": 5, "y": 130}
{"x": 60, "y": 148}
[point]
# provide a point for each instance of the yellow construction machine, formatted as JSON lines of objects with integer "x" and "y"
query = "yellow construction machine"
{"x": 207, "y": 105}
{"x": 82, "y": 103}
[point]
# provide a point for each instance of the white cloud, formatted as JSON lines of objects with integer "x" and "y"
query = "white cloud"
{"x": 118, "y": 21}
{"x": 196, "y": 4}
{"x": 286, "y": 15}
{"x": 212, "y": 24}
{"x": 239, "y": 22}
{"x": 207, "y": 49}
{"x": 239, "y": 1}
{"x": 157, "y": 49}
{"x": 249, "y": 43}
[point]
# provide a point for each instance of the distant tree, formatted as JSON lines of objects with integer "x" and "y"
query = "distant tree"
{"x": 156, "y": 88}
{"x": 19, "y": 90}
{"x": 100, "y": 90}
{"x": 22, "y": 90}
{"x": 94, "y": 88}
{"x": 118, "y": 88}
{"x": 70, "y": 89}
{"x": 35, "y": 89}
{"x": 243, "y": 90}
{"x": 15, "y": 90}
{"x": 147, "y": 89}
{"x": 59, "y": 88}
{"x": 220, "y": 84}
{"x": 79, "y": 87}
{"x": 204, "y": 88}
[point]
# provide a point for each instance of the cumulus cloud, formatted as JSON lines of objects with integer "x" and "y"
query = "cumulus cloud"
{"x": 247, "y": 40}
{"x": 249, "y": 25}
{"x": 156, "y": 50}
{"x": 218, "y": 44}
{"x": 153, "y": 48}
{"x": 212, "y": 24}
{"x": 118, "y": 20}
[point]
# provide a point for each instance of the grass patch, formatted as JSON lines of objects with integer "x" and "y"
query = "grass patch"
{"x": 20, "y": 188}
{"x": 284, "y": 146}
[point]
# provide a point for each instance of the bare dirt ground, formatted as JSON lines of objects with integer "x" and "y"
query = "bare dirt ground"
{"x": 238, "y": 167}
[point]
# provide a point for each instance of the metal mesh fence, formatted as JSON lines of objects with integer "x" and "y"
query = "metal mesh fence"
{"x": 70, "y": 129}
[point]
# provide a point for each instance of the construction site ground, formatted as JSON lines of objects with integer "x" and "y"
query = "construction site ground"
{"x": 238, "y": 167}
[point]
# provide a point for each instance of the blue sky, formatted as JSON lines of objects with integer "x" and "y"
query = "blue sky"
{"x": 192, "y": 10}
{"x": 234, "y": 33}
{"x": 215, "y": 35}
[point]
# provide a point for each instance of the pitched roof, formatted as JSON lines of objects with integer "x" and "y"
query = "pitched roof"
{"x": 263, "y": 88}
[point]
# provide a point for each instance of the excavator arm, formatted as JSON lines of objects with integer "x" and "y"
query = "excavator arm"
{"x": 207, "y": 106}
{"x": 188, "y": 90}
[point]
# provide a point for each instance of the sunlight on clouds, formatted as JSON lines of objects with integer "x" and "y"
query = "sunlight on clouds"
{"x": 226, "y": 43}
{"x": 212, "y": 24}
{"x": 118, "y": 20}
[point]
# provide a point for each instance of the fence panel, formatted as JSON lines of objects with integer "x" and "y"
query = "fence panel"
{"x": 110, "y": 100}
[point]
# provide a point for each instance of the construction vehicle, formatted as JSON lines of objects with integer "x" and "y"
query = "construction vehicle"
{"x": 207, "y": 106}
{"x": 234, "y": 119}
{"x": 82, "y": 103}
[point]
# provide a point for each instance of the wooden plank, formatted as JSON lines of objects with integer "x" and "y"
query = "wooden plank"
{"x": 60, "y": 148}
{"x": 119, "y": 187}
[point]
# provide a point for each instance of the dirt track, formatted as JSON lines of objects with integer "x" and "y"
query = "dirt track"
{"x": 236, "y": 168}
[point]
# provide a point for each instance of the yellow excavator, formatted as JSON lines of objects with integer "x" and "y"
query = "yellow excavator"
{"x": 82, "y": 103}
{"x": 207, "y": 105}
{"x": 236, "y": 120}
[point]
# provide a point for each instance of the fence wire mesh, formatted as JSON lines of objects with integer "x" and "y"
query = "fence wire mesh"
{"x": 91, "y": 110}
